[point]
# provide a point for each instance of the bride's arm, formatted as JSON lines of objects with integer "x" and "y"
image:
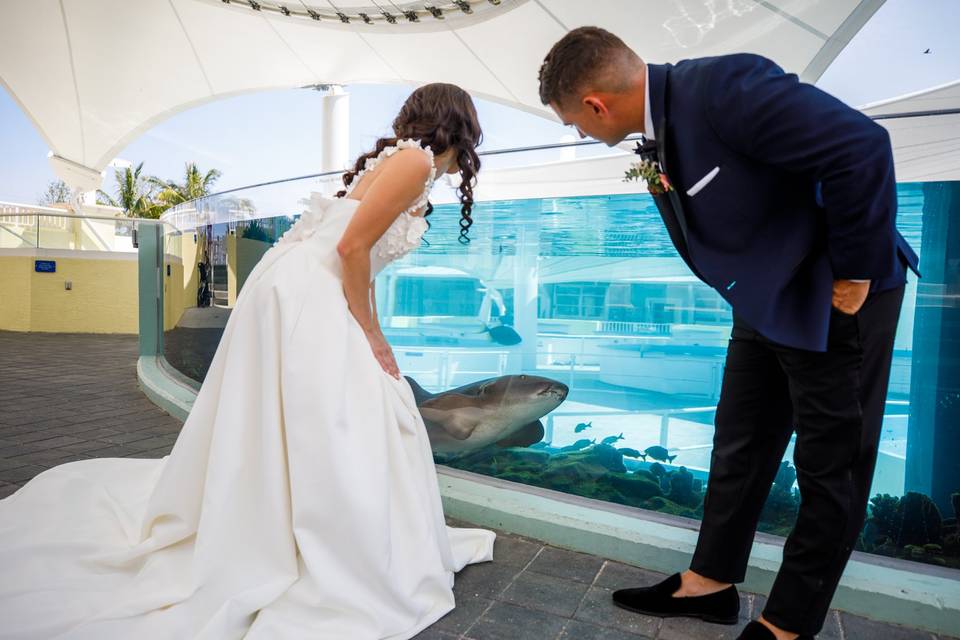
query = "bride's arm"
{"x": 399, "y": 183}
{"x": 373, "y": 303}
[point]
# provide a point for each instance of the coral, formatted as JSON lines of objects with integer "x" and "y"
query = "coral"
{"x": 634, "y": 486}
{"x": 918, "y": 521}
{"x": 780, "y": 509}
{"x": 786, "y": 476}
{"x": 681, "y": 488}
{"x": 951, "y": 544}
{"x": 910, "y": 527}
{"x": 883, "y": 514}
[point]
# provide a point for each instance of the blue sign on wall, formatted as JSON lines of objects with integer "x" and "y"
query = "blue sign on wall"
{"x": 45, "y": 266}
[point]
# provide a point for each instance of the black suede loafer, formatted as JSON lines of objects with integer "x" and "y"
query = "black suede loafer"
{"x": 722, "y": 607}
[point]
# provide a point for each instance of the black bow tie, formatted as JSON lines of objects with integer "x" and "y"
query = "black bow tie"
{"x": 646, "y": 149}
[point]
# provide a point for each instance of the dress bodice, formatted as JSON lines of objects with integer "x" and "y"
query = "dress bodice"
{"x": 401, "y": 237}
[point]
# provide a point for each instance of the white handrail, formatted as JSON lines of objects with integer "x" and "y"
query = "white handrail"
{"x": 36, "y": 211}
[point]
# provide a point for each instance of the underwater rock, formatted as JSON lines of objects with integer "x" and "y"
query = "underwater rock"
{"x": 918, "y": 520}
{"x": 659, "y": 453}
{"x": 780, "y": 509}
{"x": 567, "y": 474}
{"x": 518, "y": 476}
{"x": 657, "y": 469}
{"x": 681, "y": 488}
{"x": 525, "y": 454}
{"x": 786, "y": 476}
{"x": 883, "y": 517}
{"x": 602, "y": 455}
{"x": 951, "y": 544}
{"x": 645, "y": 473}
{"x": 607, "y": 457}
{"x": 635, "y": 486}
{"x": 955, "y": 501}
{"x": 664, "y": 505}
{"x": 578, "y": 445}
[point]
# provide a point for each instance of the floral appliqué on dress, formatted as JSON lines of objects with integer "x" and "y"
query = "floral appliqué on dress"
{"x": 400, "y": 238}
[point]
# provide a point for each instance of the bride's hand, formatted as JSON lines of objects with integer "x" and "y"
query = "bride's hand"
{"x": 383, "y": 352}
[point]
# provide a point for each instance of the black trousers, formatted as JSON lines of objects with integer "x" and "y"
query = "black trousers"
{"x": 835, "y": 402}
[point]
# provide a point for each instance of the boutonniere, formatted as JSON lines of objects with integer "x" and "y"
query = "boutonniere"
{"x": 649, "y": 171}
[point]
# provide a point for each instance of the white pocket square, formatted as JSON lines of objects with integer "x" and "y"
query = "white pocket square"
{"x": 702, "y": 182}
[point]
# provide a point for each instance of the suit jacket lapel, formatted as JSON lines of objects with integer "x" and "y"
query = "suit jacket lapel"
{"x": 657, "y": 75}
{"x": 669, "y": 205}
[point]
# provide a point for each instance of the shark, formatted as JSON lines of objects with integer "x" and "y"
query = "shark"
{"x": 503, "y": 411}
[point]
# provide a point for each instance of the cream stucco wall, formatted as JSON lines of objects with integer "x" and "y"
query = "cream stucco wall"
{"x": 103, "y": 297}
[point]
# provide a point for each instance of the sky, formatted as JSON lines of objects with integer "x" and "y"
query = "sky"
{"x": 276, "y": 134}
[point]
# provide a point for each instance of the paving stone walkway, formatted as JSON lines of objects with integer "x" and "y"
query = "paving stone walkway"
{"x": 69, "y": 397}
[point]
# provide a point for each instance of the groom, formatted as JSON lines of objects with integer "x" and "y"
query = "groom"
{"x": 782, "y": 199}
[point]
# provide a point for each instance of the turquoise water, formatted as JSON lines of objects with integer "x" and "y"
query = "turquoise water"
{"x": 589, "y": 292}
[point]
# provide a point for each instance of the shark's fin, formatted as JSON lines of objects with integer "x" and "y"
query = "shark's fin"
{"x": 455, "y": 413}
{"x": 528, "y": 434}
{"x": 419, "y": 393}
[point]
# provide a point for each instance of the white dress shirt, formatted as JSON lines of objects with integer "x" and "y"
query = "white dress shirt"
{"x": 647, "y": 115}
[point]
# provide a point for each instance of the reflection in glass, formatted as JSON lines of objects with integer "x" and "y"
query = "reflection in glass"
{"x": 589, "y": 293}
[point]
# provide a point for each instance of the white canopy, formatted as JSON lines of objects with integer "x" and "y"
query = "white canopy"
{"x": 94, "y": 74}
{"x": 925, "y": 130}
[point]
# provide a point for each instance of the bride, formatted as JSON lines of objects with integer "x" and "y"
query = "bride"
{"x": 300, "y": 499}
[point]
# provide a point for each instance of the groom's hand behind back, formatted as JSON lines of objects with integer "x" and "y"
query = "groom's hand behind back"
{"x": 849, "y": 295}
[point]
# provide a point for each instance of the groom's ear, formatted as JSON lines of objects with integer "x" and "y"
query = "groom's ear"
{"x": 595, "y": 105}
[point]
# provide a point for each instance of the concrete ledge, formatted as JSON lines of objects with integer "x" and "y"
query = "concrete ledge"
{"x": 172, "y": 394}
{"x": 884, "y": 589}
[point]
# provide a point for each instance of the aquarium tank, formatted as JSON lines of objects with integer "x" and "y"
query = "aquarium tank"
{"x": 588, "y": 294}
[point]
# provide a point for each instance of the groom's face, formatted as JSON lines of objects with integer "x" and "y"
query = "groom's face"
{"x": 590, "y": 117}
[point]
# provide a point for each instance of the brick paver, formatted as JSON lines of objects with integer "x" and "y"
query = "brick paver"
{"x": 68, "y": 397}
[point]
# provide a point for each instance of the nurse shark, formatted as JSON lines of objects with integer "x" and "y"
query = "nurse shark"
{"x": 503, "y": 411}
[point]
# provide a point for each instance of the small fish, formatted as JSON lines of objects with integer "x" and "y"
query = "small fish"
{"x": 659, "y": 453}
{"x": 579, "y": 444}
{"x": 612, "y": 439}
{"x": 632, "y": 453}
{"x": 582, "y": 426}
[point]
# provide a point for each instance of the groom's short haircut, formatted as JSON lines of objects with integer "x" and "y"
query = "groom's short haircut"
{"x": 588, "y": 58}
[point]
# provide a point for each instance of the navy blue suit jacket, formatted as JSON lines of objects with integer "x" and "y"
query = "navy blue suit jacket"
{"x": 780, "y": 189}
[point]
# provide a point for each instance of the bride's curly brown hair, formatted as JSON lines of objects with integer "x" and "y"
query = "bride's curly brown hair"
{"x": 441, "y": 116}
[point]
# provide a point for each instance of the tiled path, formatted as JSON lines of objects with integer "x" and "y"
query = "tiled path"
{"x": 66, "y": 397}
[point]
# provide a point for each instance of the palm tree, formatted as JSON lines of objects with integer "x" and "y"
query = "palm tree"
{"x": 134, "y": 194}
{"x": 195, "y": 185}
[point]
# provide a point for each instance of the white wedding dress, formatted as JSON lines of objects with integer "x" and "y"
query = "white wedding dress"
{"x": 300, "y": 500}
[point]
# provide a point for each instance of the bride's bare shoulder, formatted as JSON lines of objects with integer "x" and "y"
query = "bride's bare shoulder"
{"x": 411, "y": 159}
{"x": 405, "y": 170}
